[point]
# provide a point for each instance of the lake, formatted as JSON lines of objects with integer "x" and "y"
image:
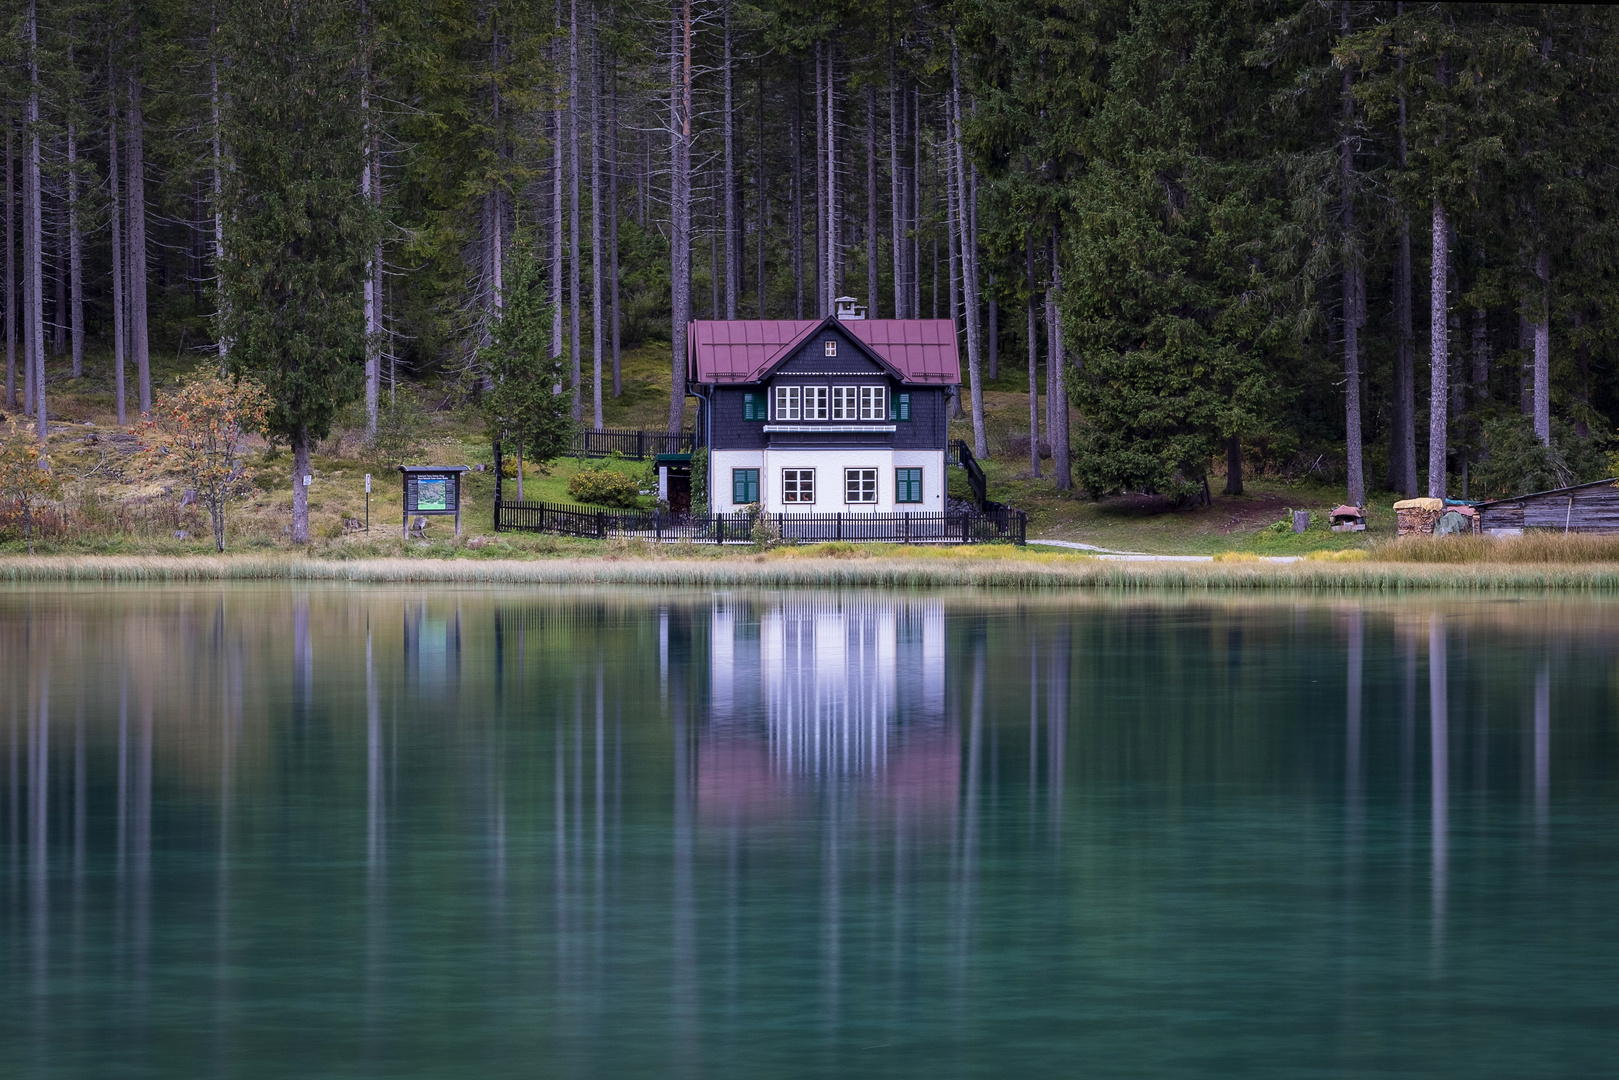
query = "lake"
{"x": 273, "y": 831}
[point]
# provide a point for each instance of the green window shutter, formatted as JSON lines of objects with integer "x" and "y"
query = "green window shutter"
{"x": 747, "y": 406}
{"x": 744, "y": 486}
{"x": 908, "y": 485}
{"x": 903, "y": 405}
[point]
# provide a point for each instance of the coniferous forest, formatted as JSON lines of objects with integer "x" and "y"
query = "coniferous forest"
{"x": 1379, "y": 236}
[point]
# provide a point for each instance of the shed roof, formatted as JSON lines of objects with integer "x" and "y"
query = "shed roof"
{"x": 744, "y": 350}
{"x": 1612, "y": 481}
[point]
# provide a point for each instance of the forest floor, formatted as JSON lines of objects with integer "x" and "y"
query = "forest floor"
{"x": 110, "y": 509}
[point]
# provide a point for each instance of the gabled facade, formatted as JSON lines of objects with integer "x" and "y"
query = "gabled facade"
{"x": 826, "y": 416}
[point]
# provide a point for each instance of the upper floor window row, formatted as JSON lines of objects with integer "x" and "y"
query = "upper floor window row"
{"x": 841, "y": 403}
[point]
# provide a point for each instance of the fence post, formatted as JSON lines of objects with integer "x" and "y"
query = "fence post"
{"x": 601, "y": 525}
{"x": 840, "y": 525}
{"x": 966, "y": 528}
{"x": 719, "y": 528}
{"x": 657, "y": 524}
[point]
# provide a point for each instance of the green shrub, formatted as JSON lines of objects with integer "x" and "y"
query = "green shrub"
{"x": 604, "y": 487}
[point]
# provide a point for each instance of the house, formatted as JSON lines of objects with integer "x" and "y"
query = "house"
{"x": 829, "y": 416}
{"x": 1587, "y": 508}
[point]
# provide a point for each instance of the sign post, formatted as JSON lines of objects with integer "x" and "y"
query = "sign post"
{"x": 431, "y": 490}
{"x": 367, "y": 502}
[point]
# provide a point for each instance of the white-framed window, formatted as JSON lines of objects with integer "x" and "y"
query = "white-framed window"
{"x": 874, "y": 403}
{"x": 815, "y": 402}
{"x": 831, "y": 348}
{"x": 846, "y": 403}
{"x": 787, "y": 398}
{"x": 798, "y": 485}
{"x": 859, "y": 485}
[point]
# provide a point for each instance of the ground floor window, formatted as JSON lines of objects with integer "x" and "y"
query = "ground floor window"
{"x": 860, "y": 485}
{"x": 798, "y": 485}
{"x": 744, "y": 486}
{"x": 907, "y": 485}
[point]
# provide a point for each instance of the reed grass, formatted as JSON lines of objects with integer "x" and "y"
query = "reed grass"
{"x": 1534, "y": 548}
{"x": 766, "y": 571}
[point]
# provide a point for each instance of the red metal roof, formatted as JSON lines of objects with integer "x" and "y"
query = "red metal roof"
{"x": 743, "y": 350}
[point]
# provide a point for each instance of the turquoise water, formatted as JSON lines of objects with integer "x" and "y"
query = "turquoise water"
{"x": 265, "y": 831}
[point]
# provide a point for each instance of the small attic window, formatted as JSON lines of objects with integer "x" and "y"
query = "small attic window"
{"x": 831, "y": 348}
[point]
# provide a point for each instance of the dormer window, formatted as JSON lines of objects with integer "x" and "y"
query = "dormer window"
{"x": 831, "y": 348}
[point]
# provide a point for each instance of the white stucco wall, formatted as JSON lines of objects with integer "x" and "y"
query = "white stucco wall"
{"x": 829, "y": 464}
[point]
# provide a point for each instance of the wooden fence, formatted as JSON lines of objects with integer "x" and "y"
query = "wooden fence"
{"x": 1000, "y": 525}
{"x": 637, "y": 445}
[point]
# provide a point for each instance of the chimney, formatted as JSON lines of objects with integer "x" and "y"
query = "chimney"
{"x": 848, "y": 309}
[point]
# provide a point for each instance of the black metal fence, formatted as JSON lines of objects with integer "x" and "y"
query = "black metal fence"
{"x": 1000, "y": 525}
{"x": 638, "y": 445}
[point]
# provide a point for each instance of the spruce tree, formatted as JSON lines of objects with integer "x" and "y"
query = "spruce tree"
{"x": 298, "y": 229}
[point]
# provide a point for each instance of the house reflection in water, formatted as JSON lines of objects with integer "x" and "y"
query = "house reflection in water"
{"x": 817, "y": 698}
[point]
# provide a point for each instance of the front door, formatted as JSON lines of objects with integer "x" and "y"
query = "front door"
{"x": 680, "y": 490}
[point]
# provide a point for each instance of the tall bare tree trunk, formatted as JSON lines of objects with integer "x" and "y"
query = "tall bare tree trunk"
{"x": 1352, "y": 282}
{"x": 969, "y": 261}
{"x": 1543, "y": 353}
{"x": 764, "y": 202}
{"x": 75, "y": 253}
{"x": 11, "y": 273}
{"x": 33, "y": 232}
{"x": 873, "y": 293}
{"x": 612, "y": 223}
{"x": 1481, "y": 355}
{"x": 952, "y": 218}
{"x": 795, "y": 202}
{"x": 218, "y": 149}
{"x": 679, "y": 204}
{"x": 1057, "y": 375}
{"x": 819, "y": 275}
{"x": 373, "y": 291}
{"x": 1034, "y": 368}
{"x": 574, "y": 271}
{"x": 896, "y": 207}
{"x": 834, "y": 207}
{"x": 137, "y": 245}
{"x": 733, "y": 283}
{"x": 120, "y": 329}
{"x": 596, "y": 324}
{"x": 1439, "y": 353}
{"x": 557, "y": 142}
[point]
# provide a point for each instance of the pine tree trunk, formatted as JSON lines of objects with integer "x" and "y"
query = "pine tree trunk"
{"x": 1057, "y": 377}
{"x": 795, "y": 211}
{"x": 819, "y": 274}
{"x": 218, "y": 149}
{"x": 612, "y": 224}
{"x": 1439, "y": 354}
{"x": 373, "y": 291}
{"x": 873, "y": 293}
{"x": 992, "y": 337}
{"x": 1233, "y": 465}
{"x": 574, "y": 270}
{"x": 59, "y": 273}
{"x": 75, "y": 253}
{"x": 679, "y": 205}
{"x": 557, "y": 142}
{"x": 896, "y": 208}
{"x": 596, "y": 324}
{"x": 137, "y": 246}
{"x": 914, "y": 267}
{"x": 1352, "y": 275}
{"x": 1526, "y": 368}
{"x": 969, "y": 263}
{"x": 1481, "y": 355}
{"x": 733, "y": 283}
{"x": 952, "y": 219}
{"x": 33, "y": 233}
{"x": 120, "y": 309}
{"x": 1543, "y": 353}
{"x": 11, "y": 273}
{"x": 763, "y": 209}
{"x": 300, "y": 493}
{"x": 1034, "y": 369}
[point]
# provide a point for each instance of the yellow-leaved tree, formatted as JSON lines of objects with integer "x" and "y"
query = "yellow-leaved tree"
{"x": 26, "y": 482}
{"x": 197, "y": 436}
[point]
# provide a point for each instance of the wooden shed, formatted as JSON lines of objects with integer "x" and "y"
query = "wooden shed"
{"x": 1587, "y": 508}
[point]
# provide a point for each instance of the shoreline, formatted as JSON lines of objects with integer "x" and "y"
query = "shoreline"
{"x": 1058, "y": 573}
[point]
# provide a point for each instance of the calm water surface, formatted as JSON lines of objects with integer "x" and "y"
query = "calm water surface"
{"x": 429, "y": 832}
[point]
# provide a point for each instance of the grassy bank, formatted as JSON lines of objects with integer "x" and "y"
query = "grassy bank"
{"x": 832, "y": 570}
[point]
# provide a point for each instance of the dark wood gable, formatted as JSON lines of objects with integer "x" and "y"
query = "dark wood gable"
{"x": 852, "y": 359}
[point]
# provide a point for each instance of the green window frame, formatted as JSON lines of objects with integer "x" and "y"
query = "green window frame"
{"x": 899, "y": 406}
{"x": 753, "y": 407}
{"x": 744, "y": 486}
{"x": 907, "y": 485}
